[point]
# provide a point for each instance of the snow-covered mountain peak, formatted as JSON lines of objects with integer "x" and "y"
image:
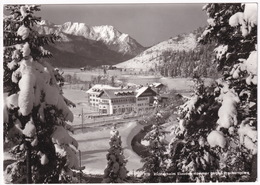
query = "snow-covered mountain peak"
{"x": 154, "y": 55}
{"x": 109, "y": 35}
{"x": 124, "y": 37}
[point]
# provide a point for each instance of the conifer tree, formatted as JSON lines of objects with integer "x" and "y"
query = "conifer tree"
{"x": 36, "y": 114}
{"x": 219, "y": 126}
{"x": 115, "y": 171}
{"x": 154, "y": 163}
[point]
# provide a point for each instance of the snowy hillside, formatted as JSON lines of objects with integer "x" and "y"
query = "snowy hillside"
{"x": 112, "y": 38}
{"x": 154, "y": 56}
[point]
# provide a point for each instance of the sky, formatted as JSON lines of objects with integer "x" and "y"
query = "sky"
{"x": 147, "y": 23}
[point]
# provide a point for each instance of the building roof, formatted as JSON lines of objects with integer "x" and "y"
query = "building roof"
{"x": 140, "y": 91}
{"x": 98, "y": 88}
{"x": 156, "y": 85}
{"x": 117, "y": 93}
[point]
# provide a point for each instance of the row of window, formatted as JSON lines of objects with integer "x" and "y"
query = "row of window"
{"x": 122, "y": 110}
{"x": 102, "y": 107}
{"x": 94, "y": 95}
{"x": 142, "y": 98}
{"x": 123, "y": 105}
{"x": 97, "y": 100}
{"x": 142, "y": 104}
{"x": 123, "y": 100}
{"x": 104, "y": 111}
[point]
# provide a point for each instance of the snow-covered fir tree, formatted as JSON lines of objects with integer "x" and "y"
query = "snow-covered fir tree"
{"x": 154, "y": 163}
{"x": 115, "y": 171}
{"x": 36, "y": 115}
{"x": 219, "y": 127}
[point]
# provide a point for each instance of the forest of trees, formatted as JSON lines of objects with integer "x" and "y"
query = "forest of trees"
{"x": 189, "y": 63}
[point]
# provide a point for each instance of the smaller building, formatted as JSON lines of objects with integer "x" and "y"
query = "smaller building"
{"x": 158, "y": 87}
{"x": 145, "y": 98}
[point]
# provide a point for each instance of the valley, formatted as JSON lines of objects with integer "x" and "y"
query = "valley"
{"x": 93, "y": 134}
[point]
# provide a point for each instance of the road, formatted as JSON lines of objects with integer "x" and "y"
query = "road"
{"x": 99, "y": 122}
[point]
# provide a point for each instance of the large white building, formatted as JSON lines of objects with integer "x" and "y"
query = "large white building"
{"x": 117, "y": 101}
{"x": 94, "y": 92}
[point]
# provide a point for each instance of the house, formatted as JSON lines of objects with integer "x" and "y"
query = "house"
{"x": 158, "y": 87}
{"x": 95, "y": 91}
{"x": 119, "y": 101}
{"x": 144, "y": 98}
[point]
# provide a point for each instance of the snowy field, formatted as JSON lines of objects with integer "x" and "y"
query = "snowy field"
{"x": 80, "y": 99}
{"x": 94, "y": 143}
{"x": 181, "y": 84}
{"x": 94, "y": 146}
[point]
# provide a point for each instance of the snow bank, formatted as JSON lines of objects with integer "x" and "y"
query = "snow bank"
{"x": 216, "y": 138}
{"x": 23, "y": 32}
{"x": 11, "y": 65}
{"x": 251, "y": 63}
{"x": 221, "y": 51}
{"x": 246, "y": 20}
{"x": 23, "y": 11}
{"x": 11, "y": 101}
{"x": 26, "y": 95}
{"x": 227, "y": 113}
{"x": 44, "y": 159}
{"x": 250, "y": 14}
{"x": 211, "y": 21}
{"x": 26, "y": 50}
{"x": 72, "y": 159}
{"x": 248, "y": 136}
{"x": 29, "y": 129}
{"x": 61, "y": 137}
{"x": 248, "y": 143}
{"x": 189, "y": 106}
{"x": 236, "y": 19}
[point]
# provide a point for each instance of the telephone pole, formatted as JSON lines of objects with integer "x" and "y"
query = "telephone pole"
{"x": 28, "y": 162}
{"x": 82, "y": 119}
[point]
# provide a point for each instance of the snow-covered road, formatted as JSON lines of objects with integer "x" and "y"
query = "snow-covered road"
{"x": 94, "y": 146}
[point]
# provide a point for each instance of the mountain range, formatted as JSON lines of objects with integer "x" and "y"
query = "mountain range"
{"x": 82, "y": 45}
{"x": 155, "y": 55}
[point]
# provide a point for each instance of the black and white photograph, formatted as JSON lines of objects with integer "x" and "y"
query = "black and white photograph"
{"x": 136, "y": 92}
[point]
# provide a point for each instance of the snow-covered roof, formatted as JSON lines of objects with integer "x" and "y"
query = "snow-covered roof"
{"x": 142, "y": 90}
{"x": 156, "y": 84}
{"x": 99, "y": 88}
{"x": 117, "y": 93}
